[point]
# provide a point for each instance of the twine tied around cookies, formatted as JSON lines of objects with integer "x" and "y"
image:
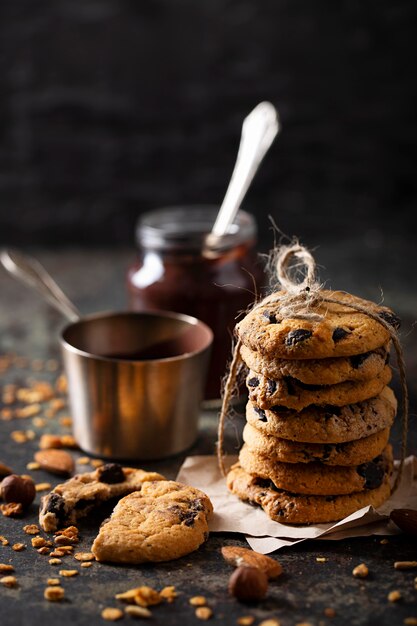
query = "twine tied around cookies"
{"x": 293, "y": 269}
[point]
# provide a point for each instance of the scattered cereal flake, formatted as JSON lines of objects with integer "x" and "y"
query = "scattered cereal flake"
{"x": 245, "y": 620}
{"x": 32, "y": 466}
{"x": 203, "y": 612}
{"x": 360, "y": 571}
{"x": 9, "y": 581}
{"x": 43, "y": 550}
{"x": 18, "y": 436}
{"x": 394, "y": 596}
{"x": 48, "y": 441}
{"x": 61, "y": 384}
{"x": 39, "y": 422}
{"x": 18, "y": 547}
{"x": 55, "y": 561}
{"x": 329, "y": 612}
{"x": 405, "y": 565}
{"x": 198, "y": 601}
{"x": 272, "y": 622}
{"x": 96, "y": 462}
{"x": 31, "y": 529}
{"x": 57, "y": 553}
{"x": 38, "y": 542}
{"x": 66, "y": 549}
{"x": 83, "y": 460}
{"x": 6, "y": 567}
{"x": 6, "y": 414}
{"x": 11, "y": 509}
{"x": 111, "y": 614}
{"x": 68, "y": 573}
{"x": 4, "y": 541}
{"x": 168, "y": 593}
{"x": 53, "y": 582}
{"x": 68, "y": 441}
{"x": 66, "y": 421}
{"x": 30, "y": 434}
{"x": 321, "y": 559}
{"x": 86, "y": 564}
{"x": 54, "y": 593}
{"x": 142, "y": 596}
{"x": 31, "y": 410}
{"x": 137, "y": 611}
{"x": 384, "y": 541}
{"x": 43, "y": 487}
{"x": 84, "y": 556}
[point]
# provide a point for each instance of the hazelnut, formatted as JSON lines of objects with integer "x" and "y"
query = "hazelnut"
{"x": 248, "y": 584}
{"x": 17, "y": 489}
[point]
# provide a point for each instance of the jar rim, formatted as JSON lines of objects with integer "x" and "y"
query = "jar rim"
{"x": 185, "y": 227}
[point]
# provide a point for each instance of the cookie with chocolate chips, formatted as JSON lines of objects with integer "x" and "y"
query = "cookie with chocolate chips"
{"x": 329, "y": 330}
{"x": 289, "y": 508}
{"x": 316, "y": 479}
{"x": 79, "y": 495}
{"x": 293, "y": 394}
{"x": 329, "y": 371}
{"x": 326, "y": 424}
{"x": 164, "y": 521}
{"x": 349, "y": 453}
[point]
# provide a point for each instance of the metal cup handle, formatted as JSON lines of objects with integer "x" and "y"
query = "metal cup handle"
{"x": 30, "y": 272}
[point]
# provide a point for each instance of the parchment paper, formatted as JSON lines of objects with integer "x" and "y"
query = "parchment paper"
{"x": 265, "y": 535}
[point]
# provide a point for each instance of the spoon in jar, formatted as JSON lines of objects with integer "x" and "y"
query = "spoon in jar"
{"x": 259, "y": 130}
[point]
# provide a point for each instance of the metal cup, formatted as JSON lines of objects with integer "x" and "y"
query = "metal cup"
{"x": 135, "y": 382}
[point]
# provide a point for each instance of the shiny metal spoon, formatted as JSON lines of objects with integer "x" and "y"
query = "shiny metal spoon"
{"x": 259, "y": 130}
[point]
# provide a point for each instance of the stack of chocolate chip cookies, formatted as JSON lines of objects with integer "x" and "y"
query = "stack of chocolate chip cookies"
{"x": 319, "y": 412}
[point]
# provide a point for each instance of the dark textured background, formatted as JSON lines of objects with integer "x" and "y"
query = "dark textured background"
{"x": 111, "y": 107}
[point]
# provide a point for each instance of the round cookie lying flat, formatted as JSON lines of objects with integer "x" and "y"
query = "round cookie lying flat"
{"x": 338, "y": 331}
{"x": 289, "y": 508}
{"x": 330, "y": 371}
{"x": 293, "y": 394}
{"x": 164, "y": 521}
{"x": 79, "y": 495}
{"x": 327, "y": 424}
{"x": 350, "y": 453}
{"x": 316, "y": 479}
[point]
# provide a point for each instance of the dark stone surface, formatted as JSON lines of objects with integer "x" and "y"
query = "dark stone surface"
{"x": 29, "y": 327}
{"x": 112, "y": 107}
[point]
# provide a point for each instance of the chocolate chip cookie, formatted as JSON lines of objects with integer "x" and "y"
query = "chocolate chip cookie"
{"x": 337, "y": 331}
{"x": 290, "y": 508}
{"x": 293, "y": 394}
{"x": 316, "y": 478}
{"x": 350, "y": 453}
{"x": 79, "y": 495}
{"x": 330, "y": 371}
{"x": 163, "y": 521}
{"x": 326, "y": 424}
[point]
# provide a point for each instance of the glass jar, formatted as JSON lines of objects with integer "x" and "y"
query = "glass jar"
{"x": 172, "y": 273}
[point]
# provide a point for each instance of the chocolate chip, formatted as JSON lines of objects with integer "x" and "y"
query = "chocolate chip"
{"x": 111, "y": 473}
{"x": 261, "y": 413}
{"x": 296, "y": 336}
{"x": 271, "y": 317}
{"x": 358, "y": 359}
{"x": 271, "y": 386}
{"x": 373, "y": 472}
{"x": 56, "y": 506}
{"x": 291, "y": 387}
{"x": 253, "y": 382}
{"x": 390, "y": 317}
{"x": 339, "y": 333}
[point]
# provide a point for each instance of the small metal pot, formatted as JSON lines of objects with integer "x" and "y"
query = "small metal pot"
{"x": 135, "y": 380}
{"x": 127, "y": 399}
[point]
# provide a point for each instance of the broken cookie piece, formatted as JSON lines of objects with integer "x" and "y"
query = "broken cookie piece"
{"x": 79, "y": 495}
{"x": 163, "y": 521}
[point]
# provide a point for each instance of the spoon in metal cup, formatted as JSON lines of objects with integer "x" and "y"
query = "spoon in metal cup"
{"x": 259, "y": 130}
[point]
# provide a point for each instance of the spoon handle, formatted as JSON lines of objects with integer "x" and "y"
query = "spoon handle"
{"x": 29, "y": 271}
{"x": 259, "y": 130}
